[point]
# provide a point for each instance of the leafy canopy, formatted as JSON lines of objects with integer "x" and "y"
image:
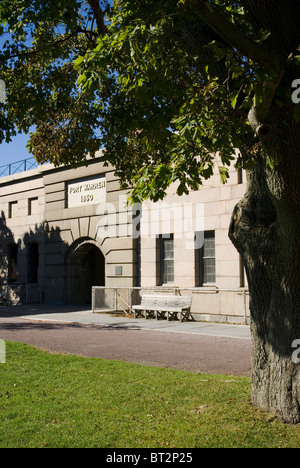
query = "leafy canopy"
{"x": 161, "y": 85}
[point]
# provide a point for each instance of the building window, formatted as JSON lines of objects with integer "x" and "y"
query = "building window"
{"x": 240, "y": 175}
{"x": 206, "y": 261}
{"x": 166, "y": 259}
{"x": 33, "y": 263}
{"x": 12, "y": 263}
{"x": 33, "y": 206}
{"x": 12, "y": 209}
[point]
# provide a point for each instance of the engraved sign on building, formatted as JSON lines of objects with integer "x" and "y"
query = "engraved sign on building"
{"x": 84, "y": 192}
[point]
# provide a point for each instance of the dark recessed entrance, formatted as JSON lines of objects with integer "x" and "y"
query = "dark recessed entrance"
{"x": 86, "y": 269}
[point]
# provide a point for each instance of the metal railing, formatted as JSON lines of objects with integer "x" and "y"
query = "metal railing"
{"x": 18, "y": 166}
{"x": 208, "y": 304}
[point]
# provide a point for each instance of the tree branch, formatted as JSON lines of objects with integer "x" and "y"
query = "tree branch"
{"x": 30, "y": 51}
{"x": 259, "y": 114}
{"x": 99, "y": 16}
{"x": 233, "y": 36}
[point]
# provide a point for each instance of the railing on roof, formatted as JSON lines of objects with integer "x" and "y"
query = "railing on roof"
{"x": 19, "y": 166}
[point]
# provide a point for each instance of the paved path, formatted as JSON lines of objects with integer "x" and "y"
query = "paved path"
{"x": 191, "y": 346}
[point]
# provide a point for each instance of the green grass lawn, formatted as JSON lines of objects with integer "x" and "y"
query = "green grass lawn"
{"x": 68, "y": 401}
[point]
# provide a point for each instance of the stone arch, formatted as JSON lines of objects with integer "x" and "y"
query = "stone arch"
{"x": 84, "y": 268}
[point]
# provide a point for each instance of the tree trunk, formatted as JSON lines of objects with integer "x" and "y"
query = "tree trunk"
{"x": 265, "y": 229}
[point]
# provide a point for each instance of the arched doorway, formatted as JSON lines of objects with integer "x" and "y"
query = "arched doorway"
{"x": 86, "y": 268}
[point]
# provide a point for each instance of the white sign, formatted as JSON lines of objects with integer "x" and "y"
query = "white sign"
{"x": 87, "y": 192}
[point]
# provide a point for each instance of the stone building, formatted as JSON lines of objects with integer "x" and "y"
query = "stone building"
{"x": 66, "y": 230}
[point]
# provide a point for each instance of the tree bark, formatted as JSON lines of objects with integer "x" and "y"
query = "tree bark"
{"x": 265, "y": 229}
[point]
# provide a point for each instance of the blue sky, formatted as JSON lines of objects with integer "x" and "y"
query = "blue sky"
{"x": 14, "y": 151}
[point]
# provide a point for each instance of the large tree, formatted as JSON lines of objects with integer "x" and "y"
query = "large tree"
{"x": 165, "y": 86}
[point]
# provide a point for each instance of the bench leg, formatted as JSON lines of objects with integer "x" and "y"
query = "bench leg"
{"x": 184, "y": 315}
{"x": 138, "y": 313}
{"x": 150, "y": 313}
{"x": 172, "y": 315}
{"x": 160, "y": 314}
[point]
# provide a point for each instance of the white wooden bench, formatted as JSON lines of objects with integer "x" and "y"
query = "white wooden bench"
{"x": 157, "y": 307}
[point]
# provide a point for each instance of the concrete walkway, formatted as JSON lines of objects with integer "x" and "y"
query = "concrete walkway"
{"x": 190, "y": 346}
{"x": 80, "y": 315}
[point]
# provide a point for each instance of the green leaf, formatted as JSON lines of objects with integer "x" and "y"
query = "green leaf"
{"x": 78, "y": 62}
{"x": 271, "y": 162}
{"x": 81, "y": 79}
{"x": 234, "y": 100}
{"x": 263, "y": 36}
{"x": 224, "y": 174}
